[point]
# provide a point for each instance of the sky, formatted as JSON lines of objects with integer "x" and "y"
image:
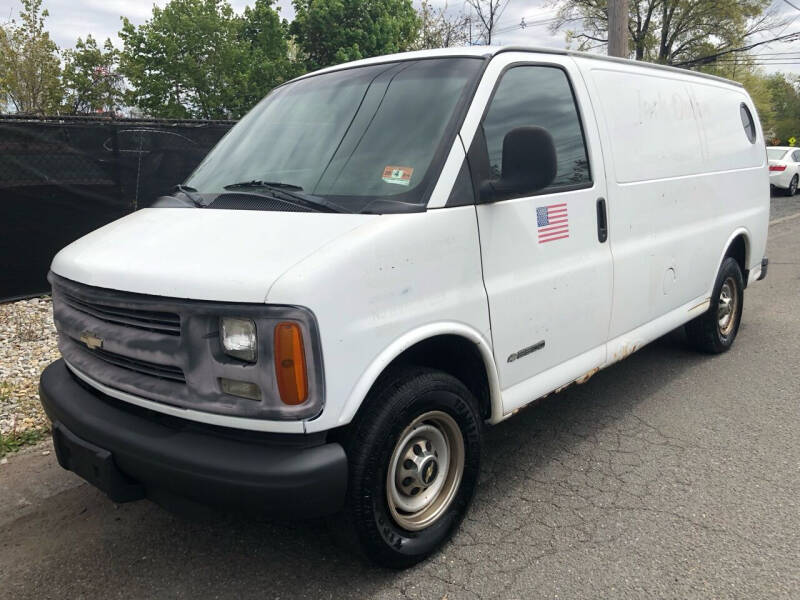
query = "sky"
{"x": 70, "y": 19}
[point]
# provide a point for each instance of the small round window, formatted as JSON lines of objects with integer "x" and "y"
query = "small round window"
{"x": 747, "y": 123}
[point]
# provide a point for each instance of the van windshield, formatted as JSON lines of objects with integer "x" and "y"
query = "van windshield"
{"x": 351, "y": 137}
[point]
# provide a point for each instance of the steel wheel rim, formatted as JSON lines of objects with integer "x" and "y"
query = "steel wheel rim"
{"x": 428, "y": 456}
{"x": 727, "y": 306}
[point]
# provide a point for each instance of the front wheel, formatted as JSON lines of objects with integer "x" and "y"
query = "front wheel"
{"x": 414, "y": 456}
{"x": 715, "y": 330}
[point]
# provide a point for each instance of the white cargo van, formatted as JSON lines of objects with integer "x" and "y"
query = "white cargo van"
{"x": 384, "y": 256}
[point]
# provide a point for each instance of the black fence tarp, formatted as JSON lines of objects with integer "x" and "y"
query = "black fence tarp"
{"x": 60, "y": 178}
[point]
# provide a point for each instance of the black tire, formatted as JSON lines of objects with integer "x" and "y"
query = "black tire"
{"x": 397, "y": 401}
{"x": 792, "y": 189}
{"x": 706, "y": 333}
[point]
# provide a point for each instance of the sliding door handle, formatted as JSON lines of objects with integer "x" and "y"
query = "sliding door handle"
{"x": 602, "y": 221}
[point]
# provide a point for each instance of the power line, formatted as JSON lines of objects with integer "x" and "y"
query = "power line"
{"x": 713, "y": 57}
{"x": 743, "y": 59}
{"x": 523, "y": 24}
{"x": 502, "y": 10}
{"x": 758, "y": 63}
{"x": 756, "y": 57}
{"x": 792, "y": 5}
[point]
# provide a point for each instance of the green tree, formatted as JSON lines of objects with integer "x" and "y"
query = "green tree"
{"x": 30, "y": 68}
{"x": 185, "y": 62}
{"x": 785, "y": 105}
{"x": 329, "y": 32}
{"x": 197, "y": 58}
{"x": 92, "y": 82}
{"x": 264, "y": 45}
{"x": 669, "y": 31}
{"x": 5, "y": 98}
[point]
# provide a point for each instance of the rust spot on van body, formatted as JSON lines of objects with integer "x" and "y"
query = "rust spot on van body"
{"x": 584, "y": 378}
{"x": 625, "y": 352}
{"x": 563, "y": 387}
{"x": 705, "y": 303}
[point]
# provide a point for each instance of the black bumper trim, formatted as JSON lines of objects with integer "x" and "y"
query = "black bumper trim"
{"x": 131, "y": 450}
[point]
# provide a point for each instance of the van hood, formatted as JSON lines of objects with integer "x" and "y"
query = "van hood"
{"x": 203, "y": 254}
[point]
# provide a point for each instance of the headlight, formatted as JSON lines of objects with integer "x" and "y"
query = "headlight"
{"x": 239, "y": 338}
{"x": 265, "y": 362}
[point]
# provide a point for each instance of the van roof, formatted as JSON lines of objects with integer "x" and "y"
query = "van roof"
{"x": 493, "y": 50}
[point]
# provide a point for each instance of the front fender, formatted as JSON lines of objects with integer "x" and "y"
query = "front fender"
{"x": 406, "y": 341}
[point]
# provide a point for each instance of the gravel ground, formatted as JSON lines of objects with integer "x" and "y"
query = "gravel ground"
{"x": 27, "y": 345}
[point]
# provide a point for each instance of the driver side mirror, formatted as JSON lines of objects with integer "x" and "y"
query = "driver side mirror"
{"x": 529, "y": 165}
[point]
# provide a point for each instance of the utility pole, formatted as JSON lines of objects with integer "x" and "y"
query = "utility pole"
{"x": 618, "y": 28}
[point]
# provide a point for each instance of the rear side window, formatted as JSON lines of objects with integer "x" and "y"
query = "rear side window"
{"x": 539, "y": 96}
{"x": 747, "y": 123}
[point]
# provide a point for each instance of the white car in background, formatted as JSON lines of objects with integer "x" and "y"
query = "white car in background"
{"x": 784, "y": 168}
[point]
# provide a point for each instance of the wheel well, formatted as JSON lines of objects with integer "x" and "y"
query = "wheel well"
{"x": 456, "y": 356}
{"x": 738, "y": 251}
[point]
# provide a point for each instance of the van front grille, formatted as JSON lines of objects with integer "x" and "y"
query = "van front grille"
{"x": 161, "y": 322}
{"x": 167, "y": 350}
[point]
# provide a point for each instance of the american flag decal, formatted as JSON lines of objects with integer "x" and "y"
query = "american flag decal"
{"x": 552, "y": 222}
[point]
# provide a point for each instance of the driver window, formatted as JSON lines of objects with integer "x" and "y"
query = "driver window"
{"x": 539, "y": 96}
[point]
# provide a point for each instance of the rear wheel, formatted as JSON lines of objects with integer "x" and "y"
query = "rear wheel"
{"x": 792, "y": 189}
{"x": 715, "y": 330}
{"x": 414, "y": 456}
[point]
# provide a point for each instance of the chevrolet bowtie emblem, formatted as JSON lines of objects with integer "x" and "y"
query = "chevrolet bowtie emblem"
{"x": 91, "y": 340}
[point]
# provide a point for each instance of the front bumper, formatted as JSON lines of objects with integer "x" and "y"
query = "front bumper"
{"x": 132, "y": 453}
{"x": 764, "y": 267}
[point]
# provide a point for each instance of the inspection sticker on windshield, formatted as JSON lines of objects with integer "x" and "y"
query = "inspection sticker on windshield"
{"x": 398, "y": 175}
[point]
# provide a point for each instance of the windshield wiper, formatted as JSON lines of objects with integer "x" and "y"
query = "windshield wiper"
{"x": 288, "y": 192}
{"x": 190, "y": 193}
{"x": 259, "y": 183}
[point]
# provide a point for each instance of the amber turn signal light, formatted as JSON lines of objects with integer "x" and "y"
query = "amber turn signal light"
{"x": 290, "y": 363}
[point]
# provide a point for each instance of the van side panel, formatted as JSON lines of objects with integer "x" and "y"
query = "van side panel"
{"x": 665, "y": 127}
{"x": 682, "y": 178}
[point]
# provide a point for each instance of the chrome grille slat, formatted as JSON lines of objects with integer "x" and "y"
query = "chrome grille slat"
{"x": 161, "y": 322}
{"x": 139, "y": 366}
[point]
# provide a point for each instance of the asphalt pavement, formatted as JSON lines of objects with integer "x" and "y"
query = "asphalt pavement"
{"x": 783, "y": 206}
{"x": 669, "y": 475}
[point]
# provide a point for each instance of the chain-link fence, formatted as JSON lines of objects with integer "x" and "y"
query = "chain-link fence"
{"x": 63, "y": 177}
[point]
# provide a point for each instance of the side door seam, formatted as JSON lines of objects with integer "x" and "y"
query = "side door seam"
{"x": 480, "y": 254}
{"x": 609, "y": 201}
